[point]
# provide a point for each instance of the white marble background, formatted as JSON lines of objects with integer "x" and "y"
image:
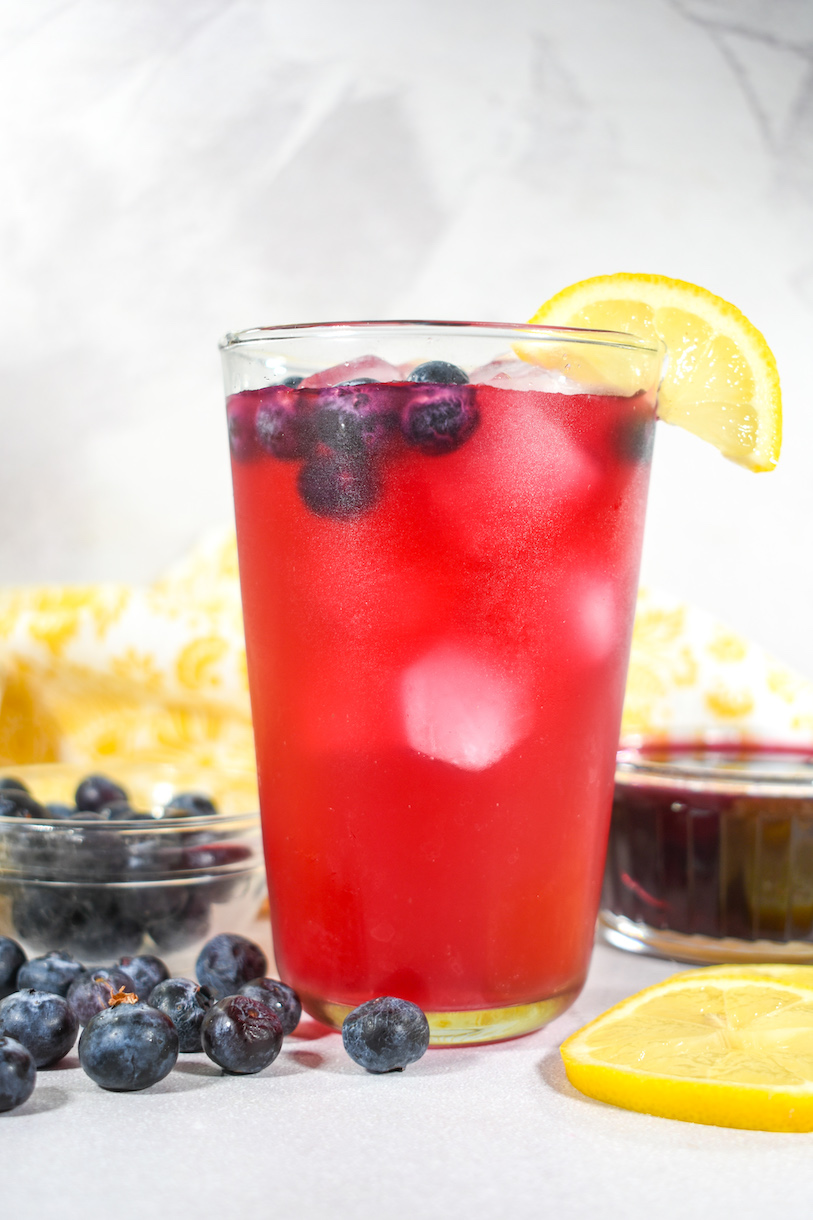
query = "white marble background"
{"x": 170, "y": 171}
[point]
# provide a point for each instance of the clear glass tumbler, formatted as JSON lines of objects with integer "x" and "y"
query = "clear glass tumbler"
{"x": 439, "y": 528}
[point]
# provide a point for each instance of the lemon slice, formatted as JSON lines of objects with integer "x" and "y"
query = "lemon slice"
{"x": 729, "y": 1046}
{"x": 720, "y": 382}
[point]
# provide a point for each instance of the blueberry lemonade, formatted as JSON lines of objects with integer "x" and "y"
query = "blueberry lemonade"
{"x": 439, "y": 531}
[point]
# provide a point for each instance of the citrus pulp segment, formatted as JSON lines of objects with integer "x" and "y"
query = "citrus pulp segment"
{"x": 720, "y": 381}
{"x": 729, "y": 1047}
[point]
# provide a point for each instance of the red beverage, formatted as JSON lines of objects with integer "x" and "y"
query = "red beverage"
{"x": 438, "y": 604}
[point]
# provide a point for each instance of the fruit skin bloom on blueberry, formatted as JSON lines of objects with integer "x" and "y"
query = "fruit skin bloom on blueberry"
{"x": 241, "y": 1035}
{"x": 54, "y": 972}
{"x": 279, "y": 996}
{"x": 93, "y": 991}
{"x": 228, "y": 961}
{"x": 42, "y": 1022}
{"x": 18, "y": 1074}
{"x": 186, "y": 1005}
{"x": 128, "y": 1048}
{"x": 439, "y": 419}
{"x": 12, "y": 958}
{"x": 386, "y": 1034}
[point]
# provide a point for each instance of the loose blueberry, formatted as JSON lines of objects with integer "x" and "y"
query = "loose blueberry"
{"x": 93, "y": 991}
{"x": 190, "y": 804}
{"x": 386, "y": 1034}
{"x": 349, "y": 421}
{"x": 97, "y": 791}
{"x": 241, "y": 1035}
{"x": 340, "y": 487}
{"x": 279, "y": 997}
{"x": 439, "y": 372}
{"x": 227, "y": 962}
{"x": 292, "y": 382}
{"x": 54, "y": 972}
{"x": 146, "y": 972}
{"x": 438, "y": 421}
{"x": 38, "y": 915}
{"x": 186, "y": 1004}
{"x": 11, "y": 782}
{"x": 14, "y": 803}
{"x": 118, "y": 811}
{"x": 187, "y": 927}
{"x": 58, "y": 812}
{"x": 12, "y": 957}
{"x": 42, "y": 1022}
{"x": 128, "y": 1047}
{"x": 282, "y": 429}
{"x": 18, "y": 1074}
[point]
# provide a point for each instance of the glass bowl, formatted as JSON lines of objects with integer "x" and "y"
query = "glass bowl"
{"x": 710, "y": 857}
{"x": 101, "y": 889}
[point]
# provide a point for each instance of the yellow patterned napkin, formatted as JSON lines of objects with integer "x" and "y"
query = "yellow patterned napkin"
{"x": 95, "y": 675}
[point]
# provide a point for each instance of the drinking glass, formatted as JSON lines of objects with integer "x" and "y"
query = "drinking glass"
{"x": 439, "y": 529}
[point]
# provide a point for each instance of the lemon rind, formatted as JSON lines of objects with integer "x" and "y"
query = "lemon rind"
{"x": 725, "y": 318}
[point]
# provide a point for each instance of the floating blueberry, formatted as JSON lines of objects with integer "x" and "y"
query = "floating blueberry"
{"x": 54, "y": 972}
{"x": 635, "y": 437}
{"x": 227, "y": 962}
{"x": 241, "y": 1035}
{"x": 439, "y": 372}
{"x": 18, "y": 1074}
{"x": 95, "y": 792}
{"x": 42, "y": 1022}
{"x": 186, "y": 1004}
{"x": 278, "y": 996}
{"x": 282, "y": 426}
{"x": 438, "y": 421}
{"x": 351, "y": 422}
{"x": 339, "y": 487}
{"x": 386, "y": 1034}
{"x": 11, "y": 782}
{"x": 12, "y": 957}
{"x": 93, "y": 991}
{"x": 359, "y": 381}
{"x": 241, "y": 415}
{"x": 146, "y": 972}
{"x": 292, "y": 382}
{"x": 129, "y": 1047}
{"x": 190, "y": 804}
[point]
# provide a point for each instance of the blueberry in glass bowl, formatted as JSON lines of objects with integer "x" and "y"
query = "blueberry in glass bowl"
{"x": 143, "y": 860}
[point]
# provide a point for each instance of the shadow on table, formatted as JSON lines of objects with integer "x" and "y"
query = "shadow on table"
{"x": 552, "y": 1071}
{"x": 45, "y": 1097}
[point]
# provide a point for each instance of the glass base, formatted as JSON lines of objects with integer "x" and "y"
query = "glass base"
{"x": 469, "y": 1027}
{"x": 696, "y": 950}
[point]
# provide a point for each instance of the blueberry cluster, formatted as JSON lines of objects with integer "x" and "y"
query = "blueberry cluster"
{"x": 69, "y": 884}
{"x": 340, "y": 433}
{"x": 136, "y": 1020}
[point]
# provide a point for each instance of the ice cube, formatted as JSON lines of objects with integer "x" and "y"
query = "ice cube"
{"x": 463, "y": 708}
{"x": 521, "y": 375}
{"x": 595, "y": 617}
{"x": 351, "y": 370}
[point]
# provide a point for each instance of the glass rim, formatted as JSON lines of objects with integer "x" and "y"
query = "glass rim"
{"x": 732, "y": 768}
{"x": 516, "y": 330}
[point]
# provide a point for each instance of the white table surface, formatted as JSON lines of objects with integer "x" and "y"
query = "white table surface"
{"x": 477, "y": 1132}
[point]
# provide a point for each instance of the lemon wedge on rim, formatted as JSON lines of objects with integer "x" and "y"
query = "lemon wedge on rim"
{"x": 720, "y": 381}
{"x": 728, "y": 1046}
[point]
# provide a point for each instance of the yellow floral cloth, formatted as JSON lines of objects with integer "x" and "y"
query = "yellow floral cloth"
{"x": 97, "y": 674}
